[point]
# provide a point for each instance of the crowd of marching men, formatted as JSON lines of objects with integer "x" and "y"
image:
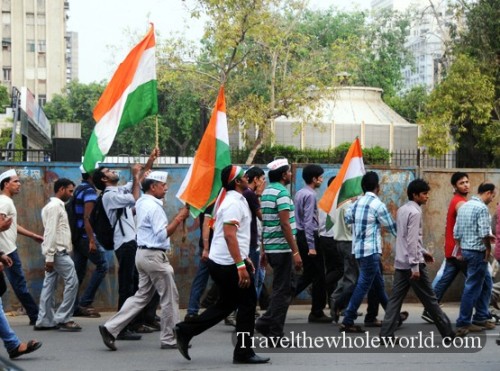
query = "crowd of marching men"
{"x": 254, "y": 223}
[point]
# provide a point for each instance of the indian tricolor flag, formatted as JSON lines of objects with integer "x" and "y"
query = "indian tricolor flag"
{"x": 127, "y": 100}
{"x": 346, "y": 184}
{"x": 202, "y": 182}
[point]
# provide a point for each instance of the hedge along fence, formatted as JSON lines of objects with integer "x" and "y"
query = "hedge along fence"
{"x": 371, "y": 156}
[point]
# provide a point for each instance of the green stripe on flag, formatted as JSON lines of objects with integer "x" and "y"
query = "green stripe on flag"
{"x": 140, "y": 103}
{"x": 92, "y": 154}
{"x": 350, "y": 188}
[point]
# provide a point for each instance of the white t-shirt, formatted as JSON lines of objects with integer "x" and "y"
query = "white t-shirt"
{"x": 234, "y": 209}
{"x": 8, "y": 238}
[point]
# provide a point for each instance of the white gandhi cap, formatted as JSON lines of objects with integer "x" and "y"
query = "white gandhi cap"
{"x": 160, "y": 176}
{"x": 7, "y": 174}
{"x": 276, "y": 164}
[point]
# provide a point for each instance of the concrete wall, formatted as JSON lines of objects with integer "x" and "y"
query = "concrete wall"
{"x": 37, "y": 188}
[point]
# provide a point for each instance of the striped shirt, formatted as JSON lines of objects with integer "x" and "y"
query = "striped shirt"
{"x": 367, "y": 215}
{"x": 472, "y": 225}
{"x": 275, "y": 198}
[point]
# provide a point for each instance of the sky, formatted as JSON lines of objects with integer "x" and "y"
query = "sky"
{"x": 103, "y": 26}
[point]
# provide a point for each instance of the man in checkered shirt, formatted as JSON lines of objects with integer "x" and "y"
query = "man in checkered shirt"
{"x": 473, "y": 236}
{"x": 367, "y": 215}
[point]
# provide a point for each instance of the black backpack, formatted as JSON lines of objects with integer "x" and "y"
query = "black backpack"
{"x": 76, "y": 233}
{"x": 101, "y": 225}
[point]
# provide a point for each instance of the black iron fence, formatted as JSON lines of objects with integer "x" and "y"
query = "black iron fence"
{"x": 410, "y": 158}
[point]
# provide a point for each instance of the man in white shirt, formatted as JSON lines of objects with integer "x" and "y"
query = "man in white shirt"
{"x": 56, "y": 247}
{"x": 155, "y": 270}
{"x": 10, "y": 185}
{"x": 231, "y": 269}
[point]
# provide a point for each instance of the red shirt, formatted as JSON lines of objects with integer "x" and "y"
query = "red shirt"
{"x": 451, "y": 218}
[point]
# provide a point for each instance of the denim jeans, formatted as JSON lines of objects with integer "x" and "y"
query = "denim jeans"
{"x": 370, "y": 277}
{"x": 477, "y": 289}
{"x": 9, "y": 337}
{"x": 198, "y": 287}
{"x": 16, "y": 278}
{"x": 259, "y": 274}
{"x": 81, "y": 256}
{"x": 451, "y": 269}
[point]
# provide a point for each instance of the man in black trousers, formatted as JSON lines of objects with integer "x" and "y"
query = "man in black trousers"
{"x": 231, "y": 269}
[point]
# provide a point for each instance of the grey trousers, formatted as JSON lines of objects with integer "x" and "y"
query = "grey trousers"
{"x": 155, "y": 274}
{"x": 347, "y": 283}
{"x": 423, "y": 289}
{"x": 273, "y": 321}
{"x": 65, "y": 268}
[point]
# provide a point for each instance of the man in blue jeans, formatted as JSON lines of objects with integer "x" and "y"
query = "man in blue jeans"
{"x": 367, "y": 215}
{"x": 87, "y": 248}
{"x": 10, "y": 185}
{"x": 472, "y": 234}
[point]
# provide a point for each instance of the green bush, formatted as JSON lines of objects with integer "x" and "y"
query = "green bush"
{"x": 371, "y": 156}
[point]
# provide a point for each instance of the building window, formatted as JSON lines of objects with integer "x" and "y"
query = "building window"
{"x": 42, "y": 60}
{"x": 7, "y": 74}
{"x": 42, "y": 99}
{"x": 30, "y": 45}
{"x": 42, "y": 48}
{"x": 6, "y": 44}
{"x": 6, "y": 5}
{"x": 30, "y": 19}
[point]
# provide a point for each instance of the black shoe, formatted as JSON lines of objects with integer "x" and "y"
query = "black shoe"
{"x": 255, "y": 359}
{"x": 32, "y": 322}
{"x": 182, "y": 342}
{"x": 191, "y": 317}
{"x": 143, "y": 329}
{"x": 155, "y": 325}
{"x": 107, "y": 338}
{"x": 171, "y": 346}
{"x": 128, "y": 335}
{"x": 261, "y": 329}
{"x": 45, "y": 328}
{"x": 427, "y": 317}
{"x": 319, "y": 319}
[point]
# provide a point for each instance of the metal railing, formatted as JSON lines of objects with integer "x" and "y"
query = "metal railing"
{"x": 402, "y": 158}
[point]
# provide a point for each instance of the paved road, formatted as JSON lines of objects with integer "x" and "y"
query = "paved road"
{"x": 213, "y": 350}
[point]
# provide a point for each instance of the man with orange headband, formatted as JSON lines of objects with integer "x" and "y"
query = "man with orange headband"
{"x": 231, "y": 269}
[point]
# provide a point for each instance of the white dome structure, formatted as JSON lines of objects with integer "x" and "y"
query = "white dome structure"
{"x": 349, "y": 112}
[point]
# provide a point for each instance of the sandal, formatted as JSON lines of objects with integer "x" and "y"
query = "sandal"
{"x": 31, "y": 346}
{"x": 70, "y": 326}
{"x": 355, "y": 329}
{"x": 403, "y": 316}
{"x": 87, "y": 312}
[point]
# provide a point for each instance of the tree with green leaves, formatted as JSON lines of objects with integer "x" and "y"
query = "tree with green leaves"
{"x": 75, "y": 105}
{"x": 4, "y": 98}
{"x": 464, "y": 110}
{"x": 457, "y": 107}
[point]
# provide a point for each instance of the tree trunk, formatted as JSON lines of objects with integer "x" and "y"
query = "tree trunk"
{"x": 256, "y": 146}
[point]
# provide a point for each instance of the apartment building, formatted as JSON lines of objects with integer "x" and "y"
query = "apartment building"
{"x": 34, "y": 46}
